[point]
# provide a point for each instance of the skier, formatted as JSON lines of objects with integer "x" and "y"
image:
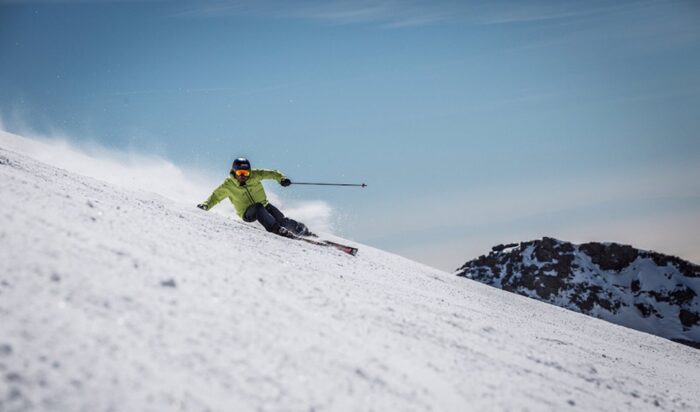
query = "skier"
{"x": 244, "y": 189}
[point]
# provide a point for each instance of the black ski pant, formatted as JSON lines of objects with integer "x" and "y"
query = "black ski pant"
{"x": 269, "y": 216}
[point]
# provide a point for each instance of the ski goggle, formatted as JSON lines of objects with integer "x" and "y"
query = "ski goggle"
{"x": 241, "y": 172}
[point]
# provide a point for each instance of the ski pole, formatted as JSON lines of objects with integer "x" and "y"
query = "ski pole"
{"x": 331, "y": 184}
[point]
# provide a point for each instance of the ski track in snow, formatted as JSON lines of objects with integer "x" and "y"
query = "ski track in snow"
{"x": 121, "y": 300}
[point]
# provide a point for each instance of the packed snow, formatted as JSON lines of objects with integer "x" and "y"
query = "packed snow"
{"x": 116, "y": 299}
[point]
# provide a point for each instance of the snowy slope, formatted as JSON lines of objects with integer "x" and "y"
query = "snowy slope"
{"x": 640, "y": 289}
{"x": 123, "y": 300}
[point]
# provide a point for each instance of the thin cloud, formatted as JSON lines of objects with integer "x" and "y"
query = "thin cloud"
{"x": 397, "y": 14}
{"x": 520, "y": 12}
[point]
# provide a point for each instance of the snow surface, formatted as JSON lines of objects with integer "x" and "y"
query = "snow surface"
{"x": 112, "y": 299}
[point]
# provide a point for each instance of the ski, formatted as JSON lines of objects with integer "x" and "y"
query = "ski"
{"x": 347, "y": 249}
{"x": 343, "y": 248}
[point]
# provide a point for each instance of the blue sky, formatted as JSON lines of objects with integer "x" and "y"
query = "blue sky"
{"x": 474, "y": 123}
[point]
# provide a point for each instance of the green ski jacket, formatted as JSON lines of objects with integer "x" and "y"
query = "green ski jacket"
{"x": 243, "y": 196}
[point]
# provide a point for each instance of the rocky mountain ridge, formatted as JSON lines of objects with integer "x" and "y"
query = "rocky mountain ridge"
{"x": 644, "y": 290}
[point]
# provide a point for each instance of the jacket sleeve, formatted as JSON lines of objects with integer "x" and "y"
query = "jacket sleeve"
{"x": 219, "y": 194}
{"x": 270, "y": 174}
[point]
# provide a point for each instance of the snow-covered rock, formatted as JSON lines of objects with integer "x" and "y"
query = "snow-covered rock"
{"x": 119, "y": 300}
{"x": 640, "y": 289}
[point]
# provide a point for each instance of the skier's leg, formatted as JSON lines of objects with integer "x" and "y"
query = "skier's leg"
{"x": 295, "y": 227}
{"x": 259, "y": 213}
{"x": 267, "y": 220}
{"x": 276, "y": 219}
{"x": 289, "y": 224}
{"x": 251, "y": 214}
{"x": 276, "y": 213}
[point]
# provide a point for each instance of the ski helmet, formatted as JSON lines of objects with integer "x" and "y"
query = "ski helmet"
{"x": 240, "y": 164}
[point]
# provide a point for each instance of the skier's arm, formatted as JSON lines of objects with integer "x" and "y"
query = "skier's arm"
{"x": 270, "y": 174}
{"x": 217, "y": 196}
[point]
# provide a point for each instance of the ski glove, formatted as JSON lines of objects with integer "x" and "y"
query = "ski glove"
{"x": 203, "y": 206}
{"x": 285, "y": 182}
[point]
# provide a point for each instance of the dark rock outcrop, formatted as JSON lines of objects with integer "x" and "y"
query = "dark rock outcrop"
{"x": 636, "y": 288}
